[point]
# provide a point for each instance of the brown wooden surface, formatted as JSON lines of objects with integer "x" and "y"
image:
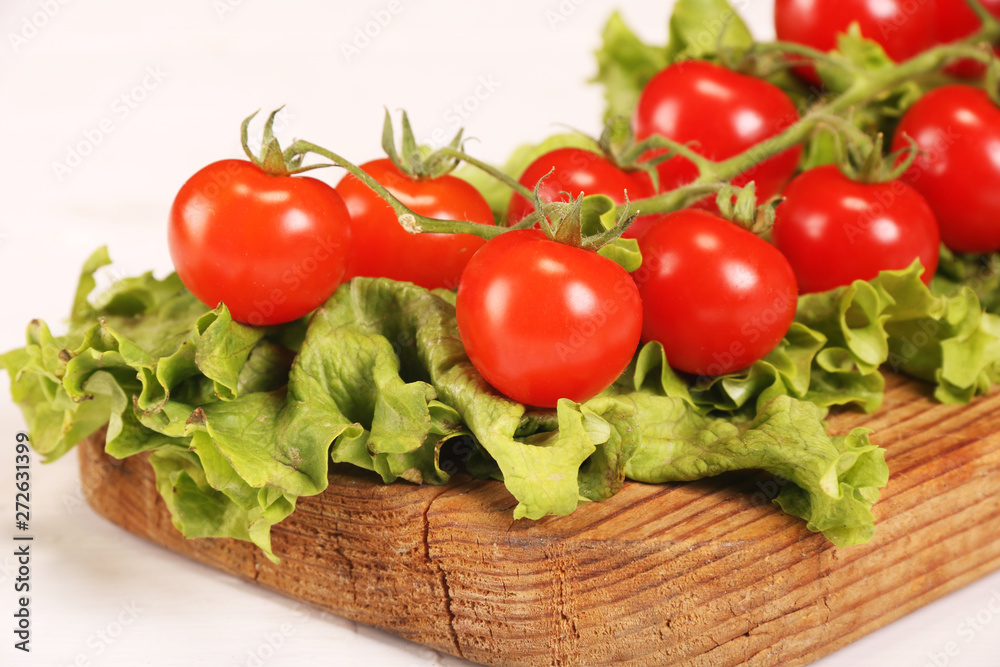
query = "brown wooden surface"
{"x": 704, "y": 573}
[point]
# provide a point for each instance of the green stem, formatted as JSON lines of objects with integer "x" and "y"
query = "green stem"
{"x": 846, "y": 129}
{"x": 711, "y": 173}
{"x": 411, "y": 221}
{"x": 670, "y": 201}
{"x": 863, "y": 90}
{"x": 674, "y": 147}
{"x": 806, "y": 52}
{"x": 990, "y": 30}
{"x": 489, "y": 169}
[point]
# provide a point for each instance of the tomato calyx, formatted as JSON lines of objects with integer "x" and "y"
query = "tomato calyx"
{"x": 583, "y": 221}
{"x": 617, "y": 144}
{"x": 417, "y": 161}
{"x": 638, "y": 151}
{"x": 739, "y": 206}
{"x": 592, "y": 223}
{"x": 863, "y": 159}
{"x": 876, "y": 167}
{"x": 272, "y": 160}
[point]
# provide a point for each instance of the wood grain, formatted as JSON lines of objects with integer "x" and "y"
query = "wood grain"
{"x": 704, "y": 573}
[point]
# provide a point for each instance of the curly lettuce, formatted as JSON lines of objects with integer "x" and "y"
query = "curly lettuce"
{"x": 241, "y": 421}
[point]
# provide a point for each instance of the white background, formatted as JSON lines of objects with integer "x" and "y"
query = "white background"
{"x": 100, "y": 596}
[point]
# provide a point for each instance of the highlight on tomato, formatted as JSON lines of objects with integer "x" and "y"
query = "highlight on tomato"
{"x": 270, "y": 245}
{"x": 835, "y": 230}
{"x": 715, "y": 295}
{"x": 957, "y": 129}
{"x": 541, "y": 320}
{"x": 902, "y": 27}
{"x": 721, "y": 114}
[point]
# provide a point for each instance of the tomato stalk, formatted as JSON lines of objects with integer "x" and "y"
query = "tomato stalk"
{"x": 674, "y": 148}
{"x": 417, "y": 162}
{"x": 863, "y": 90}
{"x": 272, "y": 160}
{"x": 566, "y": 229}
{"x": 809, "y": 53}
{"x": 488, "y": 169}
{"x": 712, "y": 174}
{"x": 990, "y": 30}
{"x": 412, "y": 222}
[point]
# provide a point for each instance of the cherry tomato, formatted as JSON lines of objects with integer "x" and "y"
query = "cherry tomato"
{"x": 542, "y": 321}
{"x": 725, "y": 114}
{"x": 834, "y": 230}
{"x": 957, "y": 128}
{"x": 382, "y": 248}
{"x": 904, "y": 28}
{"x": 578, "y": 170}
{"x": 715, "y": 295}
{"x": 272, "y": 248}
{"x": 955, "y": 20}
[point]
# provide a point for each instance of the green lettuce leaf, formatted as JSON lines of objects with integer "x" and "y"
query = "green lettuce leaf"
{"x": 830, "y": 482}
{"x": 707, "y": 30}
{"x": 980, "y": 273}
{"x": 169, "y": 375}
{"x": 239, "y": 422}
{"x": 896, "y": 320}
{"x": 625, "y": 64}
{"x": 699, "y": 30}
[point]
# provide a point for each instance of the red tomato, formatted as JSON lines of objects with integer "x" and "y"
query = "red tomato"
{"x": 904, "y": 28}
{"x": 958, "y": 129}
{"x": 834, "y": 230}
{"x": 725, "y": 114}
{"x": 955, "y": 20}
{"x": 715, "y": 295}
{"x": 578, "y": 170}
{"x": 542, "y": 321}
{"x": 382, "y": 248}
{"x": 272, "y": 248}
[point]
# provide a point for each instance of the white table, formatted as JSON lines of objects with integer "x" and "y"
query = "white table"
{"x": 146, "y": 94}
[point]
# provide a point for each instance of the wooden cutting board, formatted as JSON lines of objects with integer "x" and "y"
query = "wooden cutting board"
{"x": 703, "y": 573}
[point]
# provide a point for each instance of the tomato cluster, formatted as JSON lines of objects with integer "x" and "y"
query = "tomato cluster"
{"x": 543, "y": 320}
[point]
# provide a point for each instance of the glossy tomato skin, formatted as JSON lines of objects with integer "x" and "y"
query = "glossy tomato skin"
{"x": 834, "y": 230}
{"x": 715, "y": 295}
{"x": 903, "y": 28}
{"x": 382, "y": 248}
{"x": 576, "y": 170}
{"x": 724, "y": 114}
{"x": 955, "y": 20}
{"x": 272, "y": 248}
{"x": 957, "y": 128}
{"x": 542, "y": 321}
